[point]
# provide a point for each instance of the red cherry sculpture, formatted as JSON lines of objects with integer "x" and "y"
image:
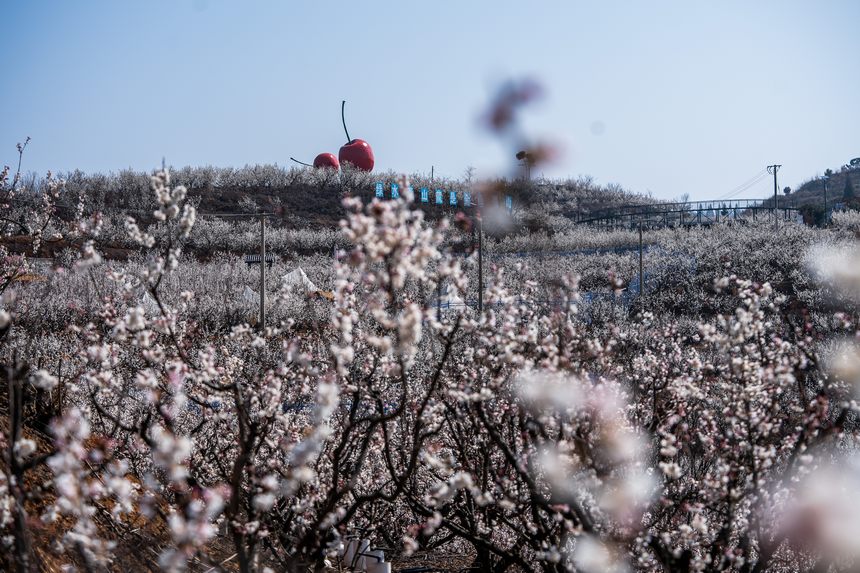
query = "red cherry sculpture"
{"x": 326, "y": 160}
{"x": 355, "y": 151}
{"x": 321, "y": 161}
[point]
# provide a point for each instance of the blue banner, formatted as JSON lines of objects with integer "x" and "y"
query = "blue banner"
{"x": 467, "y": 199}
{"x": 509, "y": 203}
{"x": 395, "y": 192}
{"x": 424, "y": 194}
{"x": 452, "y": 198}
{"x": 379, "y": 190}
{"x": 438, "y": 196}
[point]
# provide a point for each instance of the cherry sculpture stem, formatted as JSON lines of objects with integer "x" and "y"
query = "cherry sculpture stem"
{"x": 300, "y": 162}
{"x": 343, "y": 119}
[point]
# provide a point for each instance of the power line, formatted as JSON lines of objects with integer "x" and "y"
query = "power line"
{"x": 747, "y": 181}
{"x": 747, "y": 187}
{"x": 752, "y": 181}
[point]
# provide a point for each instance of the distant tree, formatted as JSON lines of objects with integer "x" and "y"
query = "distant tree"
{"x": 813, "y": 214}
{"x": 469, "y": 174}
{"x": 848, "y": 193}
{"x": 248, "y": 205}
{"x": 828, "y": 172}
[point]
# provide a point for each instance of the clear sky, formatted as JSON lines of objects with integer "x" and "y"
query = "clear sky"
{"x": 671, "y": 97}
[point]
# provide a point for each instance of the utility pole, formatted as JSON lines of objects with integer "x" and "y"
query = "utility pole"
{"x": 773, "y": 170}
{"x": 262, "y": 273}
{"x": 480, "y": 263}
{"x": 824, "y": 179}
{"x": 439, "y": 299}
{"x": 641, "y": 274}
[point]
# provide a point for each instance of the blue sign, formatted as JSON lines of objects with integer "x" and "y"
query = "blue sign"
{"x": 509, "y": 203}
{"x": 395, "y": 193}
{"x": 424, "y": 194}
{"x": 452, "y": 198}
{"x": 467, "y": 199}
{"x": 379, "y": 190}
{"x": 480, "y": 200}
{"x": 438, "y": 196}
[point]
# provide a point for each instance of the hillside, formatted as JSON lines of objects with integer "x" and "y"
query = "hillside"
{"x": 309, "y": 198}
{"x": 810, "y": 194}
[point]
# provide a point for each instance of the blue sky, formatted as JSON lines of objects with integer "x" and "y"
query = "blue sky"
{"x": 669, "y": 97}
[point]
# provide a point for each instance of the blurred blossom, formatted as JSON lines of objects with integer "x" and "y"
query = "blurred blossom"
{"x": 670, "y": 469}
{"x": 494, "y": 215}
{"x": 823, "y": 515}
{"x": 844, "y": 363}
{"x": 135, "y": 319}
{"x": 838, "y": 265}
{"x": 590, "y": 555}
{"x": 24, "y": 448}
{"x": 626, "y": 498}
{"x": 171, "y": 453}
{"x": 509, "y": 98}
{"x": 89, "y": 256}
{"x": 410, "y": 546}
{"x": 327, "y": 400}
{"x": 560, "y": 469}
{"x": 539, "y": 153}
{"x": 43, "y": 380}
{"x": 503, "y": 121}
{"x": 607, "y": 466}
{"x": 547, "y": 391}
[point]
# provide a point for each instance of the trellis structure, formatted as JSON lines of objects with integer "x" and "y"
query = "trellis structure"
{"x": 690, "y": 213}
